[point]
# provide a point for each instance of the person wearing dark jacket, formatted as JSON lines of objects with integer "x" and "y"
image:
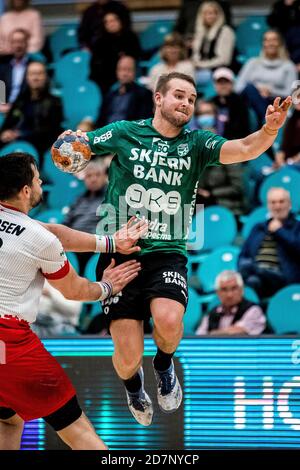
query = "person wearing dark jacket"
{"x": 91, "y": 24}
{"x": 285, "y": 14}
{"x": 290, "y": 145}
{"x": 270, "y": 257}
{"x": 117, "y": 40}
{"x": 36, "y": 115}
{"x": 126, "y": 100}
{"x": 13, "y": 69}
{"x": 232, "y": 111}
{"x": 235, "y": 315}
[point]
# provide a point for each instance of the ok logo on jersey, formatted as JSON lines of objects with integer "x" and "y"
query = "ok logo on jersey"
{"x": 153, "y": 199}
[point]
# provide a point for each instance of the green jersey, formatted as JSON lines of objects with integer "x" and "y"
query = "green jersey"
{"x": 153, "y": 177}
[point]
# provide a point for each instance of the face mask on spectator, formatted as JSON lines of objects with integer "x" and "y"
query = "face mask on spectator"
{"x": 206, "y": 120}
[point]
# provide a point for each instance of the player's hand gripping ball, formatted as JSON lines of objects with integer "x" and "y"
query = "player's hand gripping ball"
{"x": 71, "y": 153}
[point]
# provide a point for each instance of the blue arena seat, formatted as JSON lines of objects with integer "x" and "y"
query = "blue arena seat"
{"x": 283, "y": 310}
{"x": 53, "y": 174}
{"x": 64, "y": 193}
{"x": 63, "y": 39}
{"x": 153, "y": 36}
{"x": 219, "y": 260}
{"x": 81, "y": 101}
{"x": 249, "y": 34}
{"x": 90, "y": 268}
{"x": 287, "y": 178}
{"x": 51, "y": 216}
{"x": 193, "y": 313}
{"x": 212, "y": 228}
{"x": 73, "y": 260}
{"x": 72, "y": 67}
{"x": 20, "y": 146}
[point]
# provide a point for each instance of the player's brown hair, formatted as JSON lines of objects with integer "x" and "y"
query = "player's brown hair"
{"x": 164, "y": 80}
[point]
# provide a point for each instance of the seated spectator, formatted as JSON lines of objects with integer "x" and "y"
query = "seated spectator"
{"x": 205, "y": 116}
{"x": 185, "y": 24}
{"x": 13, "y": 72}
{"x": 21, "y": 15}
{"x": 220, "y": 185}
{"x": 36, "y": 115}
{"x": 289, "y": 152}
{"x": 91, "y": 25}
{"x": 126, "y": 99}
{"x": 263, "y": 78}
{"x": 117, "y": 40}
{"x": 285, "y": 14}
{"x": 270, "y": 257}
{"x": 57, "y": 315}
{"x": 235, "y": 315}
{"x": 213, "y": 44}
{"x": 232, "y": 111}
{"x": 174, "y": 59}
{"x": 83, "y": 213}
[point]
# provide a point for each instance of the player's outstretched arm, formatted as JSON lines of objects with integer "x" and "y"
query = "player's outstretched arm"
{"x": 124, "y": 240}
{"x": 115, "y": 278}
{"x": 241, "y": 150}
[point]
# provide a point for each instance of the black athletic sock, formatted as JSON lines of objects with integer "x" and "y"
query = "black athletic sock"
{"x": 133, "y": 384}
{"x": 162, "y": 360}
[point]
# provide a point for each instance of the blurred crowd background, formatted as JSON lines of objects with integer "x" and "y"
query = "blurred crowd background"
{"x": 84, "y": 65}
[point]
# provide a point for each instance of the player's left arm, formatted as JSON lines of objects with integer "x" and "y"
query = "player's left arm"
{"x": 125, "y": 239}
{"x": 250, "y": 147}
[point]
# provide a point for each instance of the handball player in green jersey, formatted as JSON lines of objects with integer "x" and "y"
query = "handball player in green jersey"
{"x": 154, "y": 175}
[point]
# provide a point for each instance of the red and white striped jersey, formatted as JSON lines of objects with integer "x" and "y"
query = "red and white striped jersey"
{"x": 29, "y": 253}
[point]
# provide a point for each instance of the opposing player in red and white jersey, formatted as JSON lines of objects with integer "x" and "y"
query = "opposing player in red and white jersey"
{"x": 32, "y": 383}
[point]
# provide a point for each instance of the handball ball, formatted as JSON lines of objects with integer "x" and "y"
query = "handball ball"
{"x": 71, "y": 153}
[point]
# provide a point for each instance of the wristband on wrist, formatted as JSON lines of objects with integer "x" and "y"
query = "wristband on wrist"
{"x": 107, "y": 290}
{"x": 269, "y": 131}
{"x": 105, "y": 244}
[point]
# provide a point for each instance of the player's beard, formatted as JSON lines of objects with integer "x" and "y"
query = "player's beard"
{"x": 35, "y": 200}
{"x": 176, "y": 121}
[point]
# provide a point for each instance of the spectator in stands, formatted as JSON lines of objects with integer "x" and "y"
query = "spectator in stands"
{"x": 221, "y": 185}
{"x": 185, "y": 24}
{"x": 205, "y": 116}
{"x": 173, "y": 59}
{"x": 83, "y": 213}
{"x": 285, "y": 17}
{"x": 213, "y": 44}
{"x": 91, "y": 26}
{"x": 290, "y": 146}
{"x": 285, "y": 14}
{"x": 116, "y": 40}
{"x": 270, "y": 257}
{"x": 36, "y": 115}
{"x": 271, "y": 74}
{"x": 13, "y": 71}
{"x": 57, "y": 315}
{"x": 21, "y": 15}
{"x": 235, "y": 315}
{"x": 126, "y": 100}
{"x": 232, "y": 111}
